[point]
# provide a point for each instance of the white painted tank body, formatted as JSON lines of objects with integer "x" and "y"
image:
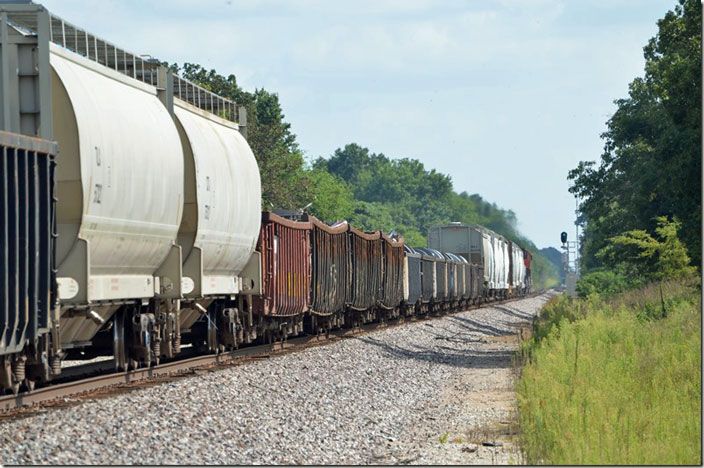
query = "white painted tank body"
{"x": 498, "y": 259}
{"x": 517, "y": 266}
{"x": 488, "y": 248}
{"x": 521, "y": 268}
{"x": 504, "y": 272}
{"x": 222, "y": 214}
{"x": 514, "y": 271}
{"x": 119, "y": 183}
{"x": 500, "y": 270}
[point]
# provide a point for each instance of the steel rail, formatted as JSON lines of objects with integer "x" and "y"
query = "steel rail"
{"x": 146, "y": 374}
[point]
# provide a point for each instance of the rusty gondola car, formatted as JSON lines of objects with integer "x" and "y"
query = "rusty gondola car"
{"x": 365, "y": 275}
{"x": 285, "y": 250}
{"x": 330, "y": 274}
{"x": 392, "y": 276}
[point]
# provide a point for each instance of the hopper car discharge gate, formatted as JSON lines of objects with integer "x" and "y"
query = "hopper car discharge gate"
{"x": 145, "y": 247}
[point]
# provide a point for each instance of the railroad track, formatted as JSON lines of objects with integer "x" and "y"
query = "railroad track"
{"x": 77, "y": 387}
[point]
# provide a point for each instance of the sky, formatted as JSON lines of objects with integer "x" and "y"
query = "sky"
{"x": 505, "y": 96}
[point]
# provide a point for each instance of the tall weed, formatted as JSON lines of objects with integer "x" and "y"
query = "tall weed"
{"x": 608, "y": 383}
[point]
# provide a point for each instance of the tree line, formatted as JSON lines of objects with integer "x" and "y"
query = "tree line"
{"x": 641, "y": 204}
{"x": 370, "y": 190}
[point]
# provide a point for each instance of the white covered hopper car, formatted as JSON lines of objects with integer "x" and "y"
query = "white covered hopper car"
{"x": 506, "y": 265}
{"x": 158, "y": 194}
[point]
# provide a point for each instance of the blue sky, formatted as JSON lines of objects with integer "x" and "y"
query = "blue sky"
{"x": 505, "y": 96}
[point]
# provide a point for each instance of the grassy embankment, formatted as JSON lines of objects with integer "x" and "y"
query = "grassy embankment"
{"x": 615, "y": 381}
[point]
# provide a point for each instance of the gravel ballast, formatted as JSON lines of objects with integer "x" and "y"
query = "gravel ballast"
{"x": 397, "y": 395}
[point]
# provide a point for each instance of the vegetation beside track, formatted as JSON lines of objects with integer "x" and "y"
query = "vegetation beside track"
{"x": 615, "y": 381}
{"x": 614, "y": 377}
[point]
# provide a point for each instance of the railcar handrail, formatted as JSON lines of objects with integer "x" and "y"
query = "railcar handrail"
{"x": 142, "y": 67}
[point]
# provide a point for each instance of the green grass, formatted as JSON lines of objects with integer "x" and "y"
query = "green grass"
{"x": 615, "y": 382}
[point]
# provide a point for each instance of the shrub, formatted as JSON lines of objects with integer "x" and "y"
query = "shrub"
{"x": 604, "y": 282}
{"x": 643, "y": 257}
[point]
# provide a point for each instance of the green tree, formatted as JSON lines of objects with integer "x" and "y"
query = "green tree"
{"x": 651, "y": 165}
{"x": 644, "y": 257}
{"x": 372, "y": 216}
{"x": 332, "y": 198}
{"x": 402, "y": 195}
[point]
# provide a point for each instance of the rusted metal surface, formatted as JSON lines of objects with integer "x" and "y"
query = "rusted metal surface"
{"x": 392, "y": 273}
{"x": 330, "y": 267}
{"x": 366, "y": 269}
{"x": 285, "y": 249}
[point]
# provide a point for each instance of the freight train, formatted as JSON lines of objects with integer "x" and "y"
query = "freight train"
{"x": 130, "y": 222}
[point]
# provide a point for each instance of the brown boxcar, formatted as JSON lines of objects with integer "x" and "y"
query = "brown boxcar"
{"x": 392, "y": 272}
{"x": 365, "y": 269}
{"x": 330, "y": 267}
{"x": 285, "y": 250}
